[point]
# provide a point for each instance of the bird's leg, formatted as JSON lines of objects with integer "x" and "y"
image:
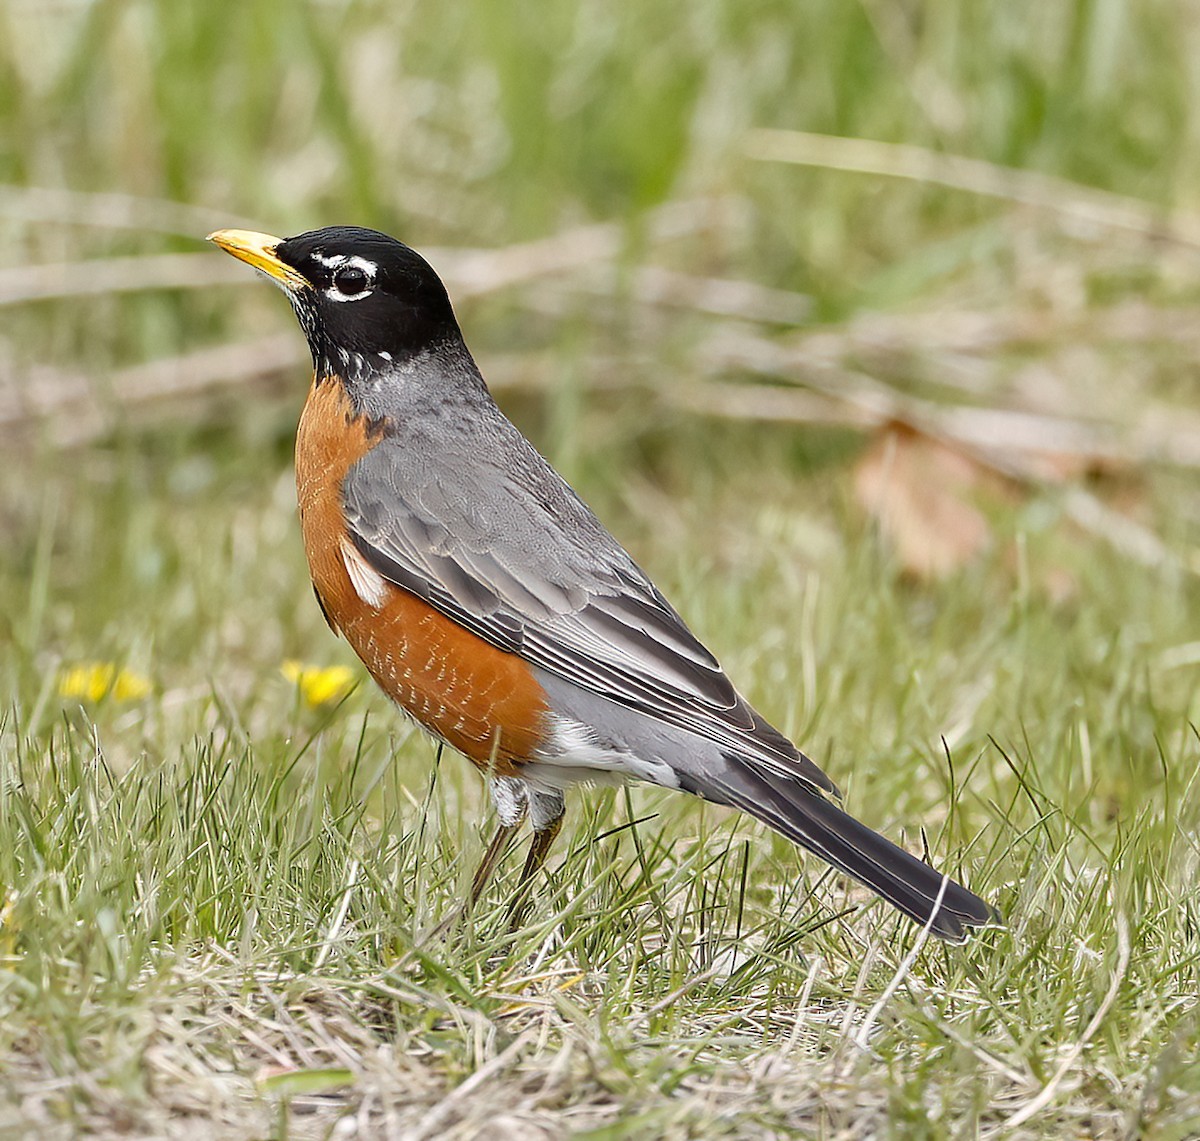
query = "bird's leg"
{"x": 546, "y": 815}
{"x": 483, "y": 873}
{"x": 511, "y": 798}
{"x": 539, "y": 849}
{"x": 512, "y": 802}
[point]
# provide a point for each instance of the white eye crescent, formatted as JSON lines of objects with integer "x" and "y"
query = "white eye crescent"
{"x": 351, "y": 278}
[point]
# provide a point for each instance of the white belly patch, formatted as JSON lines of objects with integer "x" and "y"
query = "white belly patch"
{"x": 574, "y": 754}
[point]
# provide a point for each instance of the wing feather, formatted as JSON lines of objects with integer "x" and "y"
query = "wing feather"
{"x": 531, "y": 570}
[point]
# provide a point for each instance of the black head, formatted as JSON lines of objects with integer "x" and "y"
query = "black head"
{"x": 355, "y": 291}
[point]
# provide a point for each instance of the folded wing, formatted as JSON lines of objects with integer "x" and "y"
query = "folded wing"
{"x": 529, "y": 569}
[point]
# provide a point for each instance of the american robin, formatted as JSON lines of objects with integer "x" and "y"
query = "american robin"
{"x": 494, "y": 608}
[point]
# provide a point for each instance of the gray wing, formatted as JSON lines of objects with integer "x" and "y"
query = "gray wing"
{"x": 528, "y": 568}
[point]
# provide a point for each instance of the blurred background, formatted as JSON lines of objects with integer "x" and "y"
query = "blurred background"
{"x": 862, "y": 324}
{"x": 923, "y": 270}
{"x": 809, "y": 300}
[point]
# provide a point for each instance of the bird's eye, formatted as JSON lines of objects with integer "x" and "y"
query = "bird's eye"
{"x": 350, "y": 280}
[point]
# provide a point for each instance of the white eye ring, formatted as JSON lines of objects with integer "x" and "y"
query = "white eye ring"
{"x": 339, "y": 263}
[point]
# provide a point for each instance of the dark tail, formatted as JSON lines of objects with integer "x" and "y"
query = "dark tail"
{"x": 809, "y": 819}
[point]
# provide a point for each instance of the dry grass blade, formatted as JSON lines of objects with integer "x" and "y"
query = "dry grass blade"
{"x": 436, "y": 1119}
{"x": 57, "y": 206}
{"x": 1046, "y": 1096}
{"x": 1028, "y": 187}
{"x": 742, "y": 300}
{"x": 769, "y": 402}
{"x": 470, "y": 273}
{"x": 27, "y": 283}
{"x": 1127, "y": 536}
{"x": 74, "y": 408}
{"x": 1010, "y": 441}
{"x": 863, "y": 1038}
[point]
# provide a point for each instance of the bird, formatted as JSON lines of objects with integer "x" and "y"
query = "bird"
{"x": 492, "y": 605}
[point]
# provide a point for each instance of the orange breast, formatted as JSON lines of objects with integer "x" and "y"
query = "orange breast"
{"x": 482, "y": 701}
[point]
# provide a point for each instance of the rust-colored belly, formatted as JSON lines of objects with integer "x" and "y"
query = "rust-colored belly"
{"x": 482, "y": 701}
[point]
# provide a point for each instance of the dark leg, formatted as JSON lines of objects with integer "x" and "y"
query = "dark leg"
{"x": 512, "y": 803}
{"x": 546, "y": 814}
{"x": 511, "y": 799}
{"x": 539, "y": 849}
{"x": 500, "y": 841}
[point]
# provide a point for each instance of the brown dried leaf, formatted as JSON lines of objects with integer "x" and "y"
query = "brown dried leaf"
{"x": 917, "y": 489}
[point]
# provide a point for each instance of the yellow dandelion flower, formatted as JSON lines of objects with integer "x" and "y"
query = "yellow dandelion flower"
{"x": 318, "y": 685}
{"x": 94, "y": 681}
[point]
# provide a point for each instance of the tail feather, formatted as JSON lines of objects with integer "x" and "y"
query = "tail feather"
{"x": 807, "y": 818}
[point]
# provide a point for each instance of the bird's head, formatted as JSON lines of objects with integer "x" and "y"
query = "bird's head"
{"x": 357, "y": 293}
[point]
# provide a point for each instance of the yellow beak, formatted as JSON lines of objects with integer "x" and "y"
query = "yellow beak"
{"x": 258, "y": 250}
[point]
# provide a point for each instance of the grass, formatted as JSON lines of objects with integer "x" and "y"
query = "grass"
{"x": 215, "y": 891}
{"x": 215, "y": 897}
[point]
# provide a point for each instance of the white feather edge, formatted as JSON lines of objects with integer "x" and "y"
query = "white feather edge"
{"x": 368, "y": 583}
